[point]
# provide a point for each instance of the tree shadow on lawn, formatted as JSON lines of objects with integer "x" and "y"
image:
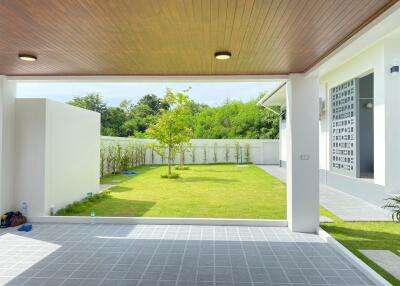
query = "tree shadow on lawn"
{"x": 118, "y": 208}
{"x": 119, "y": 189}
{"x": 207, "y": 179}
{"x": 212, "y": 170}
{"x": 108, "y": 179}
{"x": 365, "y": 239}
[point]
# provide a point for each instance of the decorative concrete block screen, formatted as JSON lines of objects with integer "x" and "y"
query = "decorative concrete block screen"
{"x": 118, "y": 153}
{"x": 344, "y": 101}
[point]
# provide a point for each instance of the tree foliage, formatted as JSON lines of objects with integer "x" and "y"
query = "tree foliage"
{"x": 236, "y": 119}
{"x": 231, "y": 120}
{"x": 172, "y": 129}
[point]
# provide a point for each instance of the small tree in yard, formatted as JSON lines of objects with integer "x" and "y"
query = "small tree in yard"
{"x": 215, "y": 152}
{"x": 226, "y": 153}
{"x": 171, "y": 130}
{"x": 247, "y": 153}
{"x": 183, "y": 147}
{"x": 193, "y": 153}
{"x": 237, "y": 152}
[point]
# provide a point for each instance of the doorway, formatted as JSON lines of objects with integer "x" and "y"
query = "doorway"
{"x": 366, "y": 126}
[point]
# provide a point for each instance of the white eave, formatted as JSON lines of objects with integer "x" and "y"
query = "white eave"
{"x": 277, "y": 97}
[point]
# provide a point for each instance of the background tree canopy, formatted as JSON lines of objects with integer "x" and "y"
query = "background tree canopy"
{"x": 232, "y": 120}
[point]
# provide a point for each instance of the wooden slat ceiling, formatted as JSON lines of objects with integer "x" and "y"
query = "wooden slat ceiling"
{"x": 176, "y": 37}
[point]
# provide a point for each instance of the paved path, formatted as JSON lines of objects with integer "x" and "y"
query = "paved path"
{"x": 345, "y": 206}
{"x": 77, "y": 254}
{"x": 105, "y": 187}
{"x": 385, "y": 259}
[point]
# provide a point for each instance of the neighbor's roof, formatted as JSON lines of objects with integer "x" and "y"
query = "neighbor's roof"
{"x": 175, "y": 37}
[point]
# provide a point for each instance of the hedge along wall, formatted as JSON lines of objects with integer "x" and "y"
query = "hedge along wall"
{"x": 119, "y": 153}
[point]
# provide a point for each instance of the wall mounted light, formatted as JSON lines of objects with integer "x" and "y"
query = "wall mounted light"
{"x": 27, "y": 57}
{"x": 394, "y": 69}
{"x": 369, "y": 105}
{"x": 225, "y": 55}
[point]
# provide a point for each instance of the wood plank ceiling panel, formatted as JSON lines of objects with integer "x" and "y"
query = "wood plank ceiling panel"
{"x": 176, "y": 37}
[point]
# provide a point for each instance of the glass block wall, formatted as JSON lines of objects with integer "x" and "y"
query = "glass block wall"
{"x": 344, "y": 101}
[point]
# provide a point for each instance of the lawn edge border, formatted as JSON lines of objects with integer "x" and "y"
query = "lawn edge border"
{"x": 368, "y": 271}
{"x": 161, "y": 221}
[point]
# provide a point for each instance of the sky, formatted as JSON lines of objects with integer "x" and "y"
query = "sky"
{"x": 211, "y": 93}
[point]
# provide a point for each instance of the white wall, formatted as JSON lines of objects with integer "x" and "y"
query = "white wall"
{"x": 262, "y": 151}
{"x": 57, "y": 158}
{"x": 30, "y": 154}
{"x": 7, "y": 113}
{"x": 72, "y": 153}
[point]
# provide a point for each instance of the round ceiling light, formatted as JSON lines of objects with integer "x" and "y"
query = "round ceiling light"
{"x": 223, "y": 55}
{"x": 27, "y": 57}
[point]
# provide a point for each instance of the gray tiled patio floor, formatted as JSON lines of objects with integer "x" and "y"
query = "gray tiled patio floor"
{"x": 76, "y": 254}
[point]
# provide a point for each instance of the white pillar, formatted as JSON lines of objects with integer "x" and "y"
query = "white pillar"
{"x": 302, "y": 154}
{"x": 7, "y": 118}
{"x": 389, "y": 105}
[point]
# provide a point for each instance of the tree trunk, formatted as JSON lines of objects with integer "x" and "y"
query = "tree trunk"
{"x": 169, "y": 160}
{"x": 182, "y": 158}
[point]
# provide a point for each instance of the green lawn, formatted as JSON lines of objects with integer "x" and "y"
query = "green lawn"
{"x": 366, "y": 235}
{"x": 217, "y": 191}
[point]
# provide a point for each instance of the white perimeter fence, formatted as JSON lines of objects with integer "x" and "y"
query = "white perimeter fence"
{"x": 134, "y": 152}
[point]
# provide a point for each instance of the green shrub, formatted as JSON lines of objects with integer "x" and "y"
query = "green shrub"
{"x": 172, "y": 176}
{"x": 182, "y": 168}
{"x": 226, "y": 153}
{"x": 215, "y": 158}
{"x": 247, "y": 153}
{"x": 393, "y": 204}
{"x": 193, "y": 153}
{"x": 80, "y": 206}
{"x": 237, "y": 152}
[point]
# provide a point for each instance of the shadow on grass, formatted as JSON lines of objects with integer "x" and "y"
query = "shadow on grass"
{"x": 111, "y": 207}
{"x": 214, "y": 171}
{"x": 207, "y": 179}
{"x": 119, "y": 189}
{"x": 365, "y": 239}
{"x": 108, "y": 179}
{"x": 122, "y": 207}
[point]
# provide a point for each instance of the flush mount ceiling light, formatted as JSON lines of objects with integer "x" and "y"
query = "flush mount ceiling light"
{"x": 27, "y": 57}
{"x": 223, "y": 55}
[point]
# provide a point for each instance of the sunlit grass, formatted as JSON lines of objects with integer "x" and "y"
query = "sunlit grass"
{"x": 202, "y": 191}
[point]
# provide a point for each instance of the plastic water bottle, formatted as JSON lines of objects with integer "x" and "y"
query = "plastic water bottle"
{"x": 93, "y": 217}
{"x": 24, "y": 208}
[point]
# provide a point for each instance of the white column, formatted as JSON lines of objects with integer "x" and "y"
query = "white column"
{"x": 390, "y": 143}
{"x": 7, "y": 116}
{"x": 302, "y": 154}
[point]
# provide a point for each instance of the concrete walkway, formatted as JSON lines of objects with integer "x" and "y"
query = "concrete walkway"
{"x": 105, "y": 187}
{"x": 385, "y": 259}
{"x": 345, "y": 206}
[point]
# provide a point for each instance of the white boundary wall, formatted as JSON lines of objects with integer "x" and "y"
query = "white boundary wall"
{"x": 262, "y": 151}
{"x": 57, "y": 158}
